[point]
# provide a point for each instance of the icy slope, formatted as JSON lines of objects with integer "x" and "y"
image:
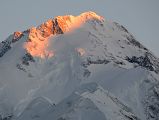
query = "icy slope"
{"x": 89, "y": 102}
{"x": 42, "y": 68}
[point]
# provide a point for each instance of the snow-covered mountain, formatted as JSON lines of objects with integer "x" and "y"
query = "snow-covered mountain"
{"x": 77, "y": 68}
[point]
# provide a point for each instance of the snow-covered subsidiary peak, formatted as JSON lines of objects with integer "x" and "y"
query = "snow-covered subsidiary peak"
{"x": 77, "y": 67}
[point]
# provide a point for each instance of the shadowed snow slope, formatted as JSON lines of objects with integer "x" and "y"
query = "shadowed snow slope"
{"x": 77, "y": 68}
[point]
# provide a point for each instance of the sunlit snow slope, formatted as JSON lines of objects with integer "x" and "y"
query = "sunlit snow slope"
{"x": 77, "y": 68}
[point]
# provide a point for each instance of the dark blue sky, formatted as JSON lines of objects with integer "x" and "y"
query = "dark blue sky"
{"x": 140, "y": 17}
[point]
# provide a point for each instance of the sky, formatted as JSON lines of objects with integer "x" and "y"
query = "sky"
{"x": 140, "y": 17}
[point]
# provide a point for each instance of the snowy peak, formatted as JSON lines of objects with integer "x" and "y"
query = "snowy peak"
{"x": 69, "y": 22}
{"x": 78, "y": 63}
{"x": 61, "y": 24}
{"x": 36, "y": 39}
{"x": 101, "y": 41}
{"x": 66, "y": 23}
{"x": 39, "y": 37}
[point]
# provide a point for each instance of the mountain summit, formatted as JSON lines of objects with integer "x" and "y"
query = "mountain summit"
{"x": 77, "y": 68}
{"x": 58, "y": 25}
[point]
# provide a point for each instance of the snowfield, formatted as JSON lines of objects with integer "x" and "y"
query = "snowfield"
{"x": 77, "y": 68}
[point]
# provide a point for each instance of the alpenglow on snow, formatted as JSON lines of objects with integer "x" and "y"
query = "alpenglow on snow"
{"x": 77, "y": 68}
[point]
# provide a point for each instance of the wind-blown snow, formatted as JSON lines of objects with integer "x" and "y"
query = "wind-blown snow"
{"x": 62, "y": 70}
